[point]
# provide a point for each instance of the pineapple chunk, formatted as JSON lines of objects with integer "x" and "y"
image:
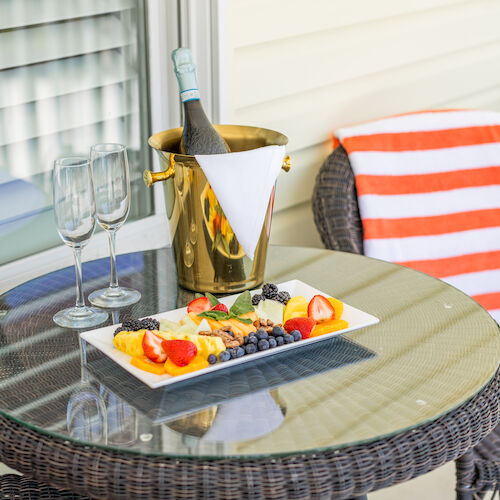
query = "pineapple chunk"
{"x": 130, "y": 342}
{"x": 205, "y": 345}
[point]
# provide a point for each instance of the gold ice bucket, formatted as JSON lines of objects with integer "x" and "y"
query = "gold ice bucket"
{"x": 208, "y": 255}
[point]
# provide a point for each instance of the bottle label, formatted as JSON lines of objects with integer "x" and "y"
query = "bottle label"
{"x": 190, "y": 95}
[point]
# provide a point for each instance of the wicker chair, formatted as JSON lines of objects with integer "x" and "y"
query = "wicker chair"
{"x": 14, "y": 486}
{"x": 337, "y": 218}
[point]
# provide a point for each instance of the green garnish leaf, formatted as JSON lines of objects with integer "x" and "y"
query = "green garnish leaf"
{"x": 198, "y": 295}
{"x": 217, "y": 315}
{"x": 213, "y": 300}
{"x": 247, "y": 321}
{"x": 242, "y": 305}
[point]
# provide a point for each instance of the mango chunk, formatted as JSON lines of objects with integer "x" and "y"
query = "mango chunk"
{"x": 197, "y": 363}
{"x": 329, "y": 326}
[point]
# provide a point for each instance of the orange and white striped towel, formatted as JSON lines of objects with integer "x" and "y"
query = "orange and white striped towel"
{"x": 429, "y": 195}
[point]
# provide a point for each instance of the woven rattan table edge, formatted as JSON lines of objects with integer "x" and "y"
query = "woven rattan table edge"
{"x": 344, "y": 473}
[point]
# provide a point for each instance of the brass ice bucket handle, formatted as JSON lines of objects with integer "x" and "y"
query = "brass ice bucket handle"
{"x": 151, "y": 177}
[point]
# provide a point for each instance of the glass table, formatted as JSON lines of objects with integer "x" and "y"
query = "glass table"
{"x": 313, "y": 421}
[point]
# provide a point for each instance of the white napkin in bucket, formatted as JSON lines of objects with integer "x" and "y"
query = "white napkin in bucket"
{"x": 243, "y": 182}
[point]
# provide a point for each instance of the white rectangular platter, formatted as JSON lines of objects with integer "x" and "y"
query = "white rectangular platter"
{"x": 102, "y": 338}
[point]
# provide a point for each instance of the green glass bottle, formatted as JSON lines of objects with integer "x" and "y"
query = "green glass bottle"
{"x": 199, "y": 135}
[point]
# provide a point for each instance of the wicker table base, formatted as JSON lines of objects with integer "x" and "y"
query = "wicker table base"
{"x": 341, "y": 474}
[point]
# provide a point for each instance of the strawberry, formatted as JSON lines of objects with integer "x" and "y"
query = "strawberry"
{"x": 320, "y": 309}
{"x": 180, "y": 352}
{"x": 220, "y": 307}
{"x": 303, "y": 325}
{"x": 199, "y": 305}
{"x": 152, "y": 347}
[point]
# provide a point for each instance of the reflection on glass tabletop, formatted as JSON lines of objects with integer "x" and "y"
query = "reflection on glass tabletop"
{"x": 433, "y": 348}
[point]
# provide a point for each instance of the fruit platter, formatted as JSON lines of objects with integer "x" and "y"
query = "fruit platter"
{"x": 212, "y": 334}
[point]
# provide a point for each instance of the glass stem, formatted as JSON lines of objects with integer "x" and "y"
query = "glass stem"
{"x": 113, "y": 281}
{"x": 80, "y": 301}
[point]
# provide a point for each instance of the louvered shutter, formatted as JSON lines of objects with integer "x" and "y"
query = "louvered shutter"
{"x": 70, "y": 76}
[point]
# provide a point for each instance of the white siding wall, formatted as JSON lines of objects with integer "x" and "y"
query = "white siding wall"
{"x": 305, "y": 68}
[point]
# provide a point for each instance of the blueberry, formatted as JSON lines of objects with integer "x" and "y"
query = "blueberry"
{"x": 296, "y": 335}
{"x": 224, "y": 356}
{"x": 272, "y": 342}
{"x": 252, "y": 339}
{"x": 238, "y": 352}
{"x": 280, "y": 340}
{"x": 245, "y": 340}
{"x": 263, "y": 345}
{"x": 230, "y": 333}
{"x": 277, "y": 331}
{"x": 232, "y": 352}
{"x": 288, "y": 338}
{"x": 262, "y": 334}
{"x": 212, "y": 359}
{"x": 250, "y": 348}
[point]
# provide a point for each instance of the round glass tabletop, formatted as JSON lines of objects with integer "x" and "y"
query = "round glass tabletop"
{"x": 433, "y": 349}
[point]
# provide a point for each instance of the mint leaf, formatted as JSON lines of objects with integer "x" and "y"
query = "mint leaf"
{"x": 247, "y": 321}
{"x": 213, "y": 300}
{"x": 242, "y": 305}
{"x": 217, "y": 315}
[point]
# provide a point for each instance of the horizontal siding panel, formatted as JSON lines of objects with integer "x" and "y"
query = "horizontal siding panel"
{"x": 19, "y": 13}
{"x": 485, "y": 99}
{"x": 310, "y": 117}
{"x": 54, "y": 78}
{"x": 295, "y": 226}
{"x": 294, "y": 65}
{"x": 27, "y": 121}
{"x": 55, "y": 41}
{"x": 296, "y": 186}
{"x": 267, "y": 21}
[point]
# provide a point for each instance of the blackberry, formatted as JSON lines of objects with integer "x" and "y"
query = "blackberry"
{"x": 283, "y": 297}
{"x": 131, "y": 325}
{"x": 270, "y": 291}
{"x": 256, "y": 299}
{"x": 118, "y": 330}
{"x": 212, "y": 359}
{"x": 150, "y": 324}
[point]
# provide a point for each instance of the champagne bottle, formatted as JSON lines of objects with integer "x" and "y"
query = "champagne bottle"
{"x": 199, "y": 135}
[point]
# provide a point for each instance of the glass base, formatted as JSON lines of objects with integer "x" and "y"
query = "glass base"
{"x": 113, "y": 298}
{"x": 80, "y": 317}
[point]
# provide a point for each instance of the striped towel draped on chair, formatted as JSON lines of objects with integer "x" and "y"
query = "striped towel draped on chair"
{"x": 428, "y": 187}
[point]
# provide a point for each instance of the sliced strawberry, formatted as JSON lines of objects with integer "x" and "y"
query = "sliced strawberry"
{"x": 320, "y": 309}
{"x": 220, "y": 307}
{"x": 152, "y": 347}
{"x": 303, "y": 325}
{"x": 199, "y": 305}
{"x": 180, "y": 352}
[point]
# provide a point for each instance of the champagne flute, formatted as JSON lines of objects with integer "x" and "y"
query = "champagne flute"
{"x": 112, "y": 194}
{"x": 74, "y": 209}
